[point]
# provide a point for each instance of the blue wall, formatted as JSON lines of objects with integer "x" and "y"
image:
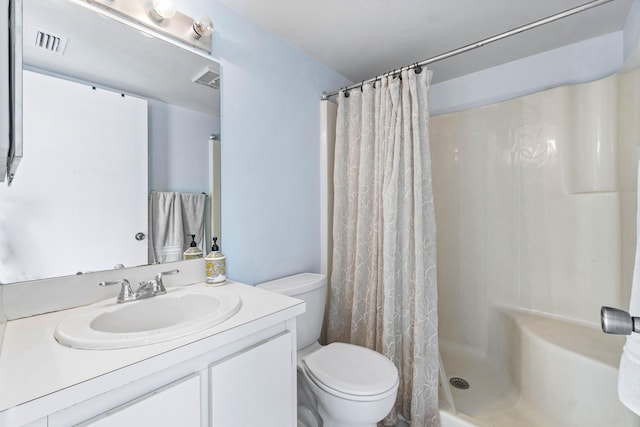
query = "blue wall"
{"x": 179, "y": 148}
{"x": 270, "y": 133}
{"x": 632, "y": 29}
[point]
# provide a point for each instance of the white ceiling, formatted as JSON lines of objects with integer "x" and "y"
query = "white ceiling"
{"x": 364, "y": 38}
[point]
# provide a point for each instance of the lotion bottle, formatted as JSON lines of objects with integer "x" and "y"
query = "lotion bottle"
{"x": 193, "y": 251}
{"x": 215, "y": 264}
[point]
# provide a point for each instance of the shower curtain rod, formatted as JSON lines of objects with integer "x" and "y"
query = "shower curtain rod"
{"x": 476, "y": 45}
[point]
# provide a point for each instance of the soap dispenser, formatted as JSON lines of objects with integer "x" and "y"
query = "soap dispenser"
{"x": 193, "y": 251}
{"x": 215, "y": 264}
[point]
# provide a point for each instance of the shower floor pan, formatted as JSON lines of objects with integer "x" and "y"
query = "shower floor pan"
{"x": 555, "y": 373}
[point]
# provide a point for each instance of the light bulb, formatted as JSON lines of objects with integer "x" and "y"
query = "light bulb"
{"x": 202, "y": 26}
{"x": 163, "y": 9}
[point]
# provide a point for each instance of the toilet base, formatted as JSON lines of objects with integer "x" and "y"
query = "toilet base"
{"x": 307, "y": 418}
{"x": 327, "y": 421}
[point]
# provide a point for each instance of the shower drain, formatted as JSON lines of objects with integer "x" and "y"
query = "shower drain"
{"x": 460, "y": 383}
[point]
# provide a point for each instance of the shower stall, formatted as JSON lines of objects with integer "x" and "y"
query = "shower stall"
{"x": 536, "y": 218}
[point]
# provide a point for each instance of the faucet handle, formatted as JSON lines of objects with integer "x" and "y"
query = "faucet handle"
{"x": 160, "y": 286}
{"x": 166, "y": 273}
{"x": 126, "y": 293}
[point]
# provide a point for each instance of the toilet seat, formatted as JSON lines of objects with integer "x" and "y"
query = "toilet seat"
{"x": 351, "y": 372}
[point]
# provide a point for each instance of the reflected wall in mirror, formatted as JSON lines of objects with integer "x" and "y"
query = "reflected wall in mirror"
{"x": 109, "y": 116}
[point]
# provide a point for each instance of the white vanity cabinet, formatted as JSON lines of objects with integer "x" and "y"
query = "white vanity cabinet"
{"x": 250, "y": 387}
{"x": 254, "y": 387}
{"x": 240, "y": 373}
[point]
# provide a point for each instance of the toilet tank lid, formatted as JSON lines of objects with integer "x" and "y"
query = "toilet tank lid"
{"x": 295, "y": 285}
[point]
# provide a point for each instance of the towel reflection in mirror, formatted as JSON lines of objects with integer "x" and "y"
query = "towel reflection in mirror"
{"x": 173, "y": 218}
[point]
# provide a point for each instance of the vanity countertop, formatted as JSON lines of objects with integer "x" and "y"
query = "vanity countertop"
{"x": 34, "y": 365}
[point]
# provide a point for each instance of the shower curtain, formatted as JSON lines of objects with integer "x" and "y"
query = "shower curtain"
{"x": 383, "y": 283}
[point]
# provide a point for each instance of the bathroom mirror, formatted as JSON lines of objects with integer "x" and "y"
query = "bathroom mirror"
{"x": 87, "y": 48}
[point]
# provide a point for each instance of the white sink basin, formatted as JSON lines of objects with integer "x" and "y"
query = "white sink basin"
{"x": 180, "y": 312}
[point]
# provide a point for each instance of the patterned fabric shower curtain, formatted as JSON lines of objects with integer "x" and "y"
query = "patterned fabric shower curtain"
{"x": 383, "y": 283}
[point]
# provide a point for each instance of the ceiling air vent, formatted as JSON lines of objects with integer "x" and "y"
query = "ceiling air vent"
{"x": 50, "y": 42}
{"x": 207, "y": 77}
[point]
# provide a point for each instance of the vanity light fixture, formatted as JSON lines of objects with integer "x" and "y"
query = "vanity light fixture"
{"x": 163, "y": 9}
{"x": 162, "y": 17}
{"x": 202, "y": 26}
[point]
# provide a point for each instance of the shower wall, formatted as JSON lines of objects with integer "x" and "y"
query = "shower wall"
{"x": 535, "y": 205}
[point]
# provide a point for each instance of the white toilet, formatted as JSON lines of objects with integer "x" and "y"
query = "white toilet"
{"x": 339, "y": 385}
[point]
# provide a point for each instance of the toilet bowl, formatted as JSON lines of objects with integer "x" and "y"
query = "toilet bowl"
{"x": 354, "y": 386}
{"x": 339, "y": 385}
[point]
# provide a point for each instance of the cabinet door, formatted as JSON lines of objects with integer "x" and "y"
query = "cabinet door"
{"x": 254, "y": 387}
{"x": 177, "y": 404}
{"x": 42, "y": 422}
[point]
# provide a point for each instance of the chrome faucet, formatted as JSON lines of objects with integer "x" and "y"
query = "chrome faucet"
{"x": 146, "y": 289}
{"x": 151, "y": 288}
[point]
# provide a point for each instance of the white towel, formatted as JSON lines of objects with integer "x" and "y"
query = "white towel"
{"x": 629, "y": 372}
{"x": 173, "y": 218}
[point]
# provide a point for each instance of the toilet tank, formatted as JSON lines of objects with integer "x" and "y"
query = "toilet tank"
{"x": 312, "y": 289}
